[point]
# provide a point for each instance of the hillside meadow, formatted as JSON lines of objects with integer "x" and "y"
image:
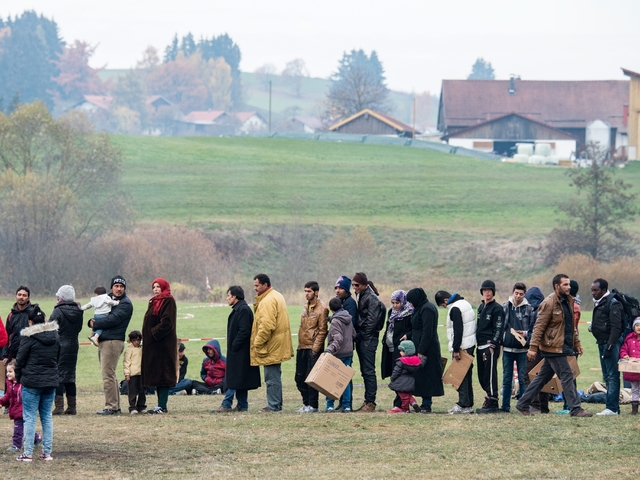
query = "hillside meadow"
{"x": 191, "y": 442}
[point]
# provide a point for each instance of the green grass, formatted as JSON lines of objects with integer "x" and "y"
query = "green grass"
{"x": 257, "y": 181}
{"x": 190, "y": 442}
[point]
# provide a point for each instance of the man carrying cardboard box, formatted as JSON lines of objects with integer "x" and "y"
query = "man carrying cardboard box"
{"x": 554, "y": 335}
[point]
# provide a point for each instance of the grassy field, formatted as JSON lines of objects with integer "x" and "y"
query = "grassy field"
{"x": 257, "y": 181}
{"x": 190, "y": 442}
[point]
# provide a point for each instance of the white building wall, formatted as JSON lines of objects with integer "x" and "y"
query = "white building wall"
{"x": 463, "y": 142}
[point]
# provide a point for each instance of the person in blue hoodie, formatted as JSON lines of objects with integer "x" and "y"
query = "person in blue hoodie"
{"x": 214, "y": 367}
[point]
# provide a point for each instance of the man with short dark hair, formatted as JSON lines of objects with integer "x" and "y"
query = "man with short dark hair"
{"x": 556, "y": 339}
{"x": 489, "y": 337}
{"x": 311, "y": 336}
{"x": 606, "y": 327}
{"x": 517, "y": 316}
{"x": 111, "y": 343}
{"x": 16, "y": 321}
{"x": 270, "y": 338}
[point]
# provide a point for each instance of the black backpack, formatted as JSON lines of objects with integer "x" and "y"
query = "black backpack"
{"x": 630, "y": 309}
{"x": 382, "y": 316}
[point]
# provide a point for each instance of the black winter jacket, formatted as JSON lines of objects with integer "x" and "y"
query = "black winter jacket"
{"x": 368, "y": 314}
{"x": 114, "y": 326}
{"x": 68, "y": 316}
{"x": 606, "y": 323}
{"x": 37, "y": 360}
{"x": 16, "y": 321}
{"x": 490, "y": 324}
{"x": 403, "y": 376}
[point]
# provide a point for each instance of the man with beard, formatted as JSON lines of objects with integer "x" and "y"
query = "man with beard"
{"x": 16, "y": 321}
{"x": 554, "y": 336}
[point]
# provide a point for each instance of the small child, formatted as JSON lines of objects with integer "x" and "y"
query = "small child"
{"x": 132, "y": 365}
{"x": 402, "y": 380}
{"x": 13, "y": 400}
{"x": 340, "y": 345}
{"x": 213, "y": 370}
{"x": 102, "y": 303}
{"x": 631, "y": 350}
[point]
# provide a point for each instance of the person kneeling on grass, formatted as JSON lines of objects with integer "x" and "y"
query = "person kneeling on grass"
{"x": 213, "y": 370}
{"x": 402, "y": 379}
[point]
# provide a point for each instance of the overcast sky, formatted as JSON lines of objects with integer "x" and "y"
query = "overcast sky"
{"x": 420, "y": 42}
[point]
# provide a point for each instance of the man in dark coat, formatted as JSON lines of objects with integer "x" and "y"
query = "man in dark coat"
{"x": 424, "y": 334}
{"x": 241, "y": 376}
{"x": 16, "y": 321}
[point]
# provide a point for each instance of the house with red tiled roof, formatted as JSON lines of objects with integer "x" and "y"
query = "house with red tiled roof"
{"x": 496, "y": 114}
{"x": 250, "y": 122}
{"x": 368, "y": 122}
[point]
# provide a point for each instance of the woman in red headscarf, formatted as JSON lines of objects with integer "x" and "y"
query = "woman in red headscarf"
{"x": 160, "y": 344}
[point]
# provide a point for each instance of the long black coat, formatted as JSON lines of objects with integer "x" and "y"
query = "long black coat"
{"x": 240, "y": 374}
{"x": 401, "y": 327}
{"x": 160, "y": 346}
{"x": 69, "y": 318}
{"x": 424, "y": 335}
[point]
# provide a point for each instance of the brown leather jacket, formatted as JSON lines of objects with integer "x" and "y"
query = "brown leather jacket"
{"x": 548, "y": 332}
{"x": 313, "y": 327}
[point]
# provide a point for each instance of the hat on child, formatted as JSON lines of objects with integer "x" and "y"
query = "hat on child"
{"x": 66, "y": 293}
{"x": 636, "y": 321}
{"x": 407, "y": 347}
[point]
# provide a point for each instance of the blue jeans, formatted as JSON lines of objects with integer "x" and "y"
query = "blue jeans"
{"x": 345, "y": 399}
{"x": 96, "y": 317}
{"x": 507, "y": 376}
{"x": 34, "y": 401}
{"x": 242, "y": 396}
{"x": 273, "y": 381}
{"x": 184, "y": 384}
{"x": 611, "y": 376}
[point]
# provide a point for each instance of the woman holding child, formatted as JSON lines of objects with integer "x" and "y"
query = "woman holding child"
{"x": 160, "y": 344}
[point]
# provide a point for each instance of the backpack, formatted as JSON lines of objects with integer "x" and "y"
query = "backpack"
{"x": 630, "y": 309}
{"x": 382, "y": 316}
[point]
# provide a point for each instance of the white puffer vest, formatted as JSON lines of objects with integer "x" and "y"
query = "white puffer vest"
{"x": 468, "y": 324}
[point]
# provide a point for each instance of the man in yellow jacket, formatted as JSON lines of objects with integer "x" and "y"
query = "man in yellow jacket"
{"x": 270, "y": 338}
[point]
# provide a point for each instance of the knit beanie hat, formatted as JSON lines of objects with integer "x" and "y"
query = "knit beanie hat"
{"x": 488, "y": 285}
{"x": 344, "y": 282}
{"x": 118, "y": 279}
{"x": 407, "y": 347}
{"x": 66, "y": 293}
{"x": 636, "y": 322}
{"x": 574, "y": 288}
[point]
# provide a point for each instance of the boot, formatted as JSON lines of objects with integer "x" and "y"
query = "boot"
{"x": 59, "y": 403}
{"x": 71, "y": 406}
{"x": 490, "y": 406}
{"x": 634, "y": 408}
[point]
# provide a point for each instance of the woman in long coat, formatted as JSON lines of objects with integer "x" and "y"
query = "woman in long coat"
{"x": 160, "y": 344}
{"x": 68, "y": 315}
{"x": 241, "y": 376}
{"x": 398, "y": 329}
{"x": 424, "y": 333}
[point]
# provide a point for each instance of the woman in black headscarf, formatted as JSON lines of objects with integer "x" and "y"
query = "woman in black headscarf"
{"x": 424, "y": 334}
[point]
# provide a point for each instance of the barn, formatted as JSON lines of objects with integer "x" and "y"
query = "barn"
{"x": 368, "y": 122}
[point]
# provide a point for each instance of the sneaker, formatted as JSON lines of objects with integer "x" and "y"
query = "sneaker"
{"x": 182, "y": 392}
{"x": 13, "y": 448}
{"x": 416, "y": 407}
{"x": 563, "y": 412}
{"x": 217, "y": 392}
{"x": 222, "y": 409}
{"x": 303, "y": 409}
{"x": 397, "y": 410}
{"x": 583, "y": 414}
{"x": 346, "y": 410}
{"x": 144, "y": 410}
{"x": 38, "y": 440}
{"x": 107, "y": 411}
{"x": 194, "y": 391}
{"x": 524, "y": 411}
{"x": 329, "y": 410}
{"x": 94, "y": 339}
{"x": 157, "y": 410}
{"x": 606, "y": 412}
{"x": 457, "y": 409}
{"x": 367, "y": 407}
{"x": 133, "y": 412}
{"x": 45, "y": 457}
{"x": 23, "y": 457}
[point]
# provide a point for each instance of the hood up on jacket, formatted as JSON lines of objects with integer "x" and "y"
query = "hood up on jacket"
{"x": 45, "y": 333}
{"x": 215, "y": 344}
{"x": 341, "y": 315}
{"x": 535, "y": 297}
{"x": 416, "y": 297}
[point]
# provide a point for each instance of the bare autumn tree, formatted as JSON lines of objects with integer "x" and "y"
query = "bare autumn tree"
{"x": 264, "y": 74}
{"x": 76, "y": 77}
{"x": 293, "y": 74}
{"x": 595, "y": 218}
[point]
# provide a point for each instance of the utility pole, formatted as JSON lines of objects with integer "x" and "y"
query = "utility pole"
{"x": 413, "y": 133}
{"x": 269, "y": 107}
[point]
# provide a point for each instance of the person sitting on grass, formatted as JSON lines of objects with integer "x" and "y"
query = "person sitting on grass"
{"x": 132, "y": 365}
{"x": 12, "y": 399}
{"x": 213, "y": 370}
{"x": 402, "y": 378}
{"x": 184, "y": 385}
{"x": 340, "y": 344}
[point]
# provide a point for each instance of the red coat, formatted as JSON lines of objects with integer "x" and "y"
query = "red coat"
{"x": 213, "y": 369}
{"x": 13, "y": 399}
{"x": 631, "y": 347}
{"x": 4, "y": 338}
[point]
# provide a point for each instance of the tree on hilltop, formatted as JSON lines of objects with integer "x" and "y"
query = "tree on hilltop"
{"x": 265, "y": 74}
{"x": 482, "y": 70}
{"x": 293, "y": 74}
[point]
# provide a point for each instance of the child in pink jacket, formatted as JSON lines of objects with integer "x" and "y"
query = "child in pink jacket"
{"x": 13, "y": 399}
{"x": 631, "y": 349}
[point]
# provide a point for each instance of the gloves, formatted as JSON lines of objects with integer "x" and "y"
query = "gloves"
{"x": 608, "y": 352}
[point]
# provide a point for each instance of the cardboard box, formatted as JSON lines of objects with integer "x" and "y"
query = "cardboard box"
{"x": 457, "y": 370}
{"x": 554, "y": 385}
{"x": 629, "y": 366}
{"x": 330, "y": 376}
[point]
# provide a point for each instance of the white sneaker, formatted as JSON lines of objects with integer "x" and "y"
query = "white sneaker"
{"x": 310, "y": 409}
{"x": 133, "y": 412}
{"x": 606, "y": 411}
{"x": 303, "y": 409}
{"x": 457, "y": 409}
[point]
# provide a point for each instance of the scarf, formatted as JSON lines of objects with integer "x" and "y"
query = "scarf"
{"x": 157, "y": 300}
{"x": 406, "y": 309}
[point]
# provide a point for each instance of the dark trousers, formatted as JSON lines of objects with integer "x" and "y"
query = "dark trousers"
{"x": 70, "y": 388}
{"x": 488, "y": 371}
{"x": 18, "y": 432}
{"x": 305, "y": 361}
{"x": 137, "y": 396}
{"x": 540, "y": 401}
{"x": 559, "y": 366}
{"x": 366, "y": 350}
{"x": 465, "y": 391}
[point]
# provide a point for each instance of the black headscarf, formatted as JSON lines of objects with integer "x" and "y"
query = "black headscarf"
{"x": 417, "y": 297}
